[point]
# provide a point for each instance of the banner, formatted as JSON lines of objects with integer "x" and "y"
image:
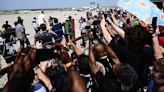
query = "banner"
{"x": 144, "y": 10}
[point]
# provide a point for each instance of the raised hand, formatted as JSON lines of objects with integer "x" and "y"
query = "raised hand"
{"x": 21, "y": 71}
{"x": 43, "y": 77}
{"x": 103, "y": 22}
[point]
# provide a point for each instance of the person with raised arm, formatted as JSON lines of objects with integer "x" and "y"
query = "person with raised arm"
{"x": 43, "y": 77}
{"x": 22, "y": 73}
{"x": 75, "y": 48}
{"x": 134, "y": 49}
{"x": 104, "y": 30}
{"x": 110, "y": 52}
{"x": 101, "y": 80}
{"x": 156, "y": 82}
{"x": 77, "y": 83}
{"x": 156, "y": 47}
{"x": 120, "y": 31}
{"x": 21, "y": 77}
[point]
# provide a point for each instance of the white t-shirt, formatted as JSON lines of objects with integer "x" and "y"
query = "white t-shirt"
{"x": 82, "y": 27}
{"x": 41, "y": 19}
{"x": 1, "y": 41}
{"x": 35, "y": 26}
{"x": 19, "y": 29}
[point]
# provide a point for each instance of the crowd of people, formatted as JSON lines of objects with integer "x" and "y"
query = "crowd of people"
{"x": 124, "y": 55}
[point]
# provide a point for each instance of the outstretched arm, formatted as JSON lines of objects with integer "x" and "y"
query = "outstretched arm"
{"x": 111, "y": 30}
{"x": 21, "y": 72}
{"x": 75, "y": 49}
{"x": 92, "y": 61}
{"x": 52, "y": 32}
{"x": 114, "y": 19}
{"x": 104, "y": 30}
{"x": 77, "y": 83}
{"x": 41, "y": 75}
{"x": 110, "y": 52}
{"x": 156, "y": 46}
{"x": 120, "y": 31}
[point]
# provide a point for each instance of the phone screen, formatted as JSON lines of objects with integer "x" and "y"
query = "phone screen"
{"x": 154, "y": 23}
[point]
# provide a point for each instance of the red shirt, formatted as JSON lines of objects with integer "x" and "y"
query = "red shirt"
{"x": 161, "y": 41}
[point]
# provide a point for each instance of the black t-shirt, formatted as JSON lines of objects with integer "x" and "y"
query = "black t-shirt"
{"x": 90, "y": 85}
{"x": 108, "y": 66}
{"x": 105, "y": 83}
{"x": 85, "y": 71}
{"x": 6, "y": 26}
{"x": 10, "y": 34}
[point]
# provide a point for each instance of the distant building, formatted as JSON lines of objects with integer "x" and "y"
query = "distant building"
{"x": 159, "y": 3}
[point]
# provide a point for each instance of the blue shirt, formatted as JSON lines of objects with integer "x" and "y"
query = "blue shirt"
{"x": 57, "y": 28}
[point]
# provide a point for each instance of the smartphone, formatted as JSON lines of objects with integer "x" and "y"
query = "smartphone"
{"x": 154, "y": 23}
{"x": 45, "y": 54}
{"x": 105, "y": 15}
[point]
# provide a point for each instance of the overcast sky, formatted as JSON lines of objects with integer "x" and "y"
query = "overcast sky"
{"x": 35, "y": 4}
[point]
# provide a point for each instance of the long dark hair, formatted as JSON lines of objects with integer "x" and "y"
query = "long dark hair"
{"x": 59, "y": 79}
{"x": 136, "y": 38}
